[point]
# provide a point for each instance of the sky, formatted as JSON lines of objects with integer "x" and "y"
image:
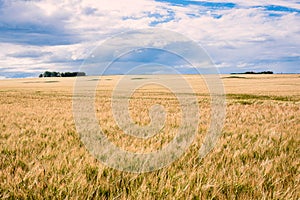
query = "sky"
{"x": 59, "y": 35}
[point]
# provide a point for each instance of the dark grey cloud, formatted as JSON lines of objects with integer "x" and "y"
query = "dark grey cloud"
{"x": 30, "y": 54}
{"x": 22, "y": 22}
{"x": 89, "y": 11}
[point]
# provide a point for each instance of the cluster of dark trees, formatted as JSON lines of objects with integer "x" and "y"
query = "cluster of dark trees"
{"x": 263, "y": 72}
{"x": 63, "y": 74}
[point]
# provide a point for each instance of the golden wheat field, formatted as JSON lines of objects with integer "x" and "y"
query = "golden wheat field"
{"x": 256, "y": 157}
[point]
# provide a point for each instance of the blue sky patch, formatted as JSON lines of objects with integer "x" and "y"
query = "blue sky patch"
{"x": 161, "y": 18}
{"x": 211, "y": 5}
{"x": 279, "y": 8}
{"x": 275, "y": 15}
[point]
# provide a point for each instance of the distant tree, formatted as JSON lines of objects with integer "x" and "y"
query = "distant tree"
{"x": 64, "y": 74}
{"x": 47, "y": 74}
{"x": 72, "y": 74}
{"x": 55, "y": 74}
{"x": 267, "y": 72}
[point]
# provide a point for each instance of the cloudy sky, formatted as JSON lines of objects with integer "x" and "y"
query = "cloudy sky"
{"x": 238, "y": 35}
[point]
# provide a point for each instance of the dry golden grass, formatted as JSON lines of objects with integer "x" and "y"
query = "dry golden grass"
{"x": 257, "y": 156}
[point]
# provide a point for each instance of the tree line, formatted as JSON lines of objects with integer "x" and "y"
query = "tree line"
{"x": 251, "y": 72}
{"x": 61, "y": 74}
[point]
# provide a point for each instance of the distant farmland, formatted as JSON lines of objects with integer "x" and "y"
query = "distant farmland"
{"x": 256, "y": 157}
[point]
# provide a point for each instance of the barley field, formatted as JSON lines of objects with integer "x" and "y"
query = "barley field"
{"x": 256, "y": 157}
